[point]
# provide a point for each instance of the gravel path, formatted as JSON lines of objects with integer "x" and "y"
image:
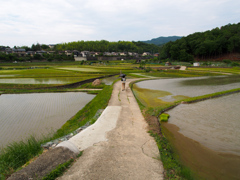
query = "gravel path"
{"x": 126, "y": 152}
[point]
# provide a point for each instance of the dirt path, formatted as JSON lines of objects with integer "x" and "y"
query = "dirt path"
{"x": 128, "y": 153}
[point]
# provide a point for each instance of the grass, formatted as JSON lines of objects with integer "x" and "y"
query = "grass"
{"x": 178, "y": 73}
{"x": 234, "y": 70}
{"x": 173, "y": 168}
{"x": 17, "y": 154}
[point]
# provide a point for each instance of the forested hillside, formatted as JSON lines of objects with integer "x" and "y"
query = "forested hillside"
{"x": 162, "y": 40}
{"x": 204, "y": 45}
{"x": 106, "y": 46}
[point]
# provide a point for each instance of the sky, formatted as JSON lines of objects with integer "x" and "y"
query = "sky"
{"x": 27, "y": 22}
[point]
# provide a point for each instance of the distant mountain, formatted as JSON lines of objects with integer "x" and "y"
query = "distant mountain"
{"x": 162, "y": 40}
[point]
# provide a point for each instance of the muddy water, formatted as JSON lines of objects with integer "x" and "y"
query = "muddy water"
{"x": 22, "y": 115}
{"x": 215, "y": 124}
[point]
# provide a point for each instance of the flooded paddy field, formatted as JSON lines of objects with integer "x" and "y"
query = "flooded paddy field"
{"x": 206, "y": 134}
{"x": 166, "y": 91}
{"x": 22, "y": 115}
{"x": 61, "y": 80}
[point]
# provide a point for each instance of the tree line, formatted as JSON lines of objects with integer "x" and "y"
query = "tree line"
{"x": 204, "y": 45}
{"x": 106, "y": 46}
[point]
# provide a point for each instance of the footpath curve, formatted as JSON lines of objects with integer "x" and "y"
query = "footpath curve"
{"x": 117, "y": 146}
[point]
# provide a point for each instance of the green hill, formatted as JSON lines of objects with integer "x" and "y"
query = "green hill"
{"x": 162, "y": 40}
{"x": 210, "y": 44}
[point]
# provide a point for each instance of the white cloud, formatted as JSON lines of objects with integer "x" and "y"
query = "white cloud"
{"x": 52, "y": 21}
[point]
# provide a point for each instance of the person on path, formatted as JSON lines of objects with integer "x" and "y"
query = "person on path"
{"x": 123, "y": 79}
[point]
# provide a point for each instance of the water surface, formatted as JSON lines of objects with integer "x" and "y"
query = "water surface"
{"x": 62, "y": 80}
{"x": 39, "y": 113}
{"x": 160, "y": 92}
{"x": 214, "y": 123}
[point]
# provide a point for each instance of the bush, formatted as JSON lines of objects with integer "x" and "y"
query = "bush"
{"x": 164, "y": 117}
{"x": 148, "y": 69}
{"x": 227, "y": 61}
{"x": 235, "y": 64}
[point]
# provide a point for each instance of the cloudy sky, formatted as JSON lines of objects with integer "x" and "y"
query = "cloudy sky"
{"x": 28, "y": 22}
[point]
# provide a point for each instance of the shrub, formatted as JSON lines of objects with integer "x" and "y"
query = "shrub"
{"x": 164, "y": 117}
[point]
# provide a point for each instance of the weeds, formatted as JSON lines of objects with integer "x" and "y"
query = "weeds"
{"x": 17, "y": 154}
{"x": 173, "y": 168}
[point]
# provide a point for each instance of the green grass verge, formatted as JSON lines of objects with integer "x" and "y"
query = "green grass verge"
{"x": 178, "y": 73}
{"x": 173, "y": 168}
{"x": 17, "y": 154}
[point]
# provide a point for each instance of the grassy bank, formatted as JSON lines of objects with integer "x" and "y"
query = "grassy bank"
{"x": 17, "y": 154}
{"x": 87, "y": 113}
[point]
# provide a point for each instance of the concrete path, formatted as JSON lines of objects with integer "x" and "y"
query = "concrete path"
{"x": 117, "y": 146}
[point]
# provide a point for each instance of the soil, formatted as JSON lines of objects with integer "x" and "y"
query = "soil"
{"x": 44, "y": 164}
{"x": 153, "y": 124}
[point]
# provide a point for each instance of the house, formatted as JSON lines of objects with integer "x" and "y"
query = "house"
{"x": 8, "y": 50}
{"x": 51, "y": 52}
{"x": 41, "y": 52}
{"x": 114, "y": 54}
{"x": 130, "y": 53}
{"x": 85, "y": 53}
{"x": 107, "y": 54}
{"x": 76, "y": 52}
{"x": 122, "y": 54}
{"x": 20, "y": 52}
{"x": 196, "y": 64}
{"x": 68, "y": 52}
{"x": 146, "y": 54}
{"x": 156, "y": 55}
{"x": 51, "y": 46}
{"x": 30, "y": 53}
{"x": 168, "y": 64}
